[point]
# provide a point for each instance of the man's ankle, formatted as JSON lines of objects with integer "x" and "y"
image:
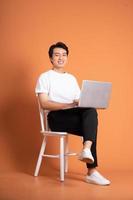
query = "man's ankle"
{"x": 91, "y": 170}
{"x": 87, "y": 144}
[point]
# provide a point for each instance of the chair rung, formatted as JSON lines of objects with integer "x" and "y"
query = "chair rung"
{"x": 58, "y": 156}
{"x": 71, "y": 154}
{"x": 51, "y": 156}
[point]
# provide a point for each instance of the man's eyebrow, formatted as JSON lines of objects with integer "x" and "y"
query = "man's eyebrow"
{"x": 59, "y": 53}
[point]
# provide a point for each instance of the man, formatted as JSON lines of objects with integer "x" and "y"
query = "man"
{"x": 58, "y": 92}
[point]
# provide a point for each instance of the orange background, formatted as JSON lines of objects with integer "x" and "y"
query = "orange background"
{"x": 99, "y": 34}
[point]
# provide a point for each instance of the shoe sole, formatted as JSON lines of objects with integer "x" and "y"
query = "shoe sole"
{"x": 93, "y": 182}
{"x": 86, "y": 160}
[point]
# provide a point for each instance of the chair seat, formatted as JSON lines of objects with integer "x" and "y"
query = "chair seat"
{"x": 52, "y": 133}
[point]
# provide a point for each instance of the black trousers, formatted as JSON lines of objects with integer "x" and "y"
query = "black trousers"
{"x": 78, "y": 121}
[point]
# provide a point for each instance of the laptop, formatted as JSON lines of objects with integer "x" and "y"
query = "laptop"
{"x": 95, "y": 94}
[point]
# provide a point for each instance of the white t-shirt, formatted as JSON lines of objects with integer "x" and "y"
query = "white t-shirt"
{"x": 60, "y": 87}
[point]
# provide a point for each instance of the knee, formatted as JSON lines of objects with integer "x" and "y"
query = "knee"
{"x": 92, "y": 112}
{"x": 91, "y": 115}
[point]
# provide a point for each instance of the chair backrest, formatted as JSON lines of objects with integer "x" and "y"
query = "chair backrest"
{"x": 43, "y": 118}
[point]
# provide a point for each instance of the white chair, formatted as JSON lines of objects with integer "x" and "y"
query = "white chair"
{"x": 63, "y": 138}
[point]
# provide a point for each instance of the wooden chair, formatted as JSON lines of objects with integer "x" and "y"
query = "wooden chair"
{"x": 63, "y": 145}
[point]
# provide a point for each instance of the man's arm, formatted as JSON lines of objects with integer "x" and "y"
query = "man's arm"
{"x": 51, "y": 105}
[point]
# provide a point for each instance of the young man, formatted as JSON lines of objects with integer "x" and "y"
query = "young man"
{"x": 59, "y": 93}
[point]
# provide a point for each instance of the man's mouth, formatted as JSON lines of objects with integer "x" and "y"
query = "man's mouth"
{"x": 60, "y": 62}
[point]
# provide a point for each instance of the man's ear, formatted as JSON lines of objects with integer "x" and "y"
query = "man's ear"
{"x": 51, "y": 60}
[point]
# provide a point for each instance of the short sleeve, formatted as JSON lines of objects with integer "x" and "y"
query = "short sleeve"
{"x": 77, "y": 90}
{"x": 42, "y": 85}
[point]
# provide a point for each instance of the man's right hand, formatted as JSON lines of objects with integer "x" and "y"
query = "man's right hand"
{"x": 51, "y": 105}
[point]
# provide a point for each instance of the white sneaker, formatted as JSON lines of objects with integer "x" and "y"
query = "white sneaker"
{"x": 86, "y": 156}
{"x": 97, "y": 178}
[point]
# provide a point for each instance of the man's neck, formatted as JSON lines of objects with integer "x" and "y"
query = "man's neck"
{"x": 59, "y": 70}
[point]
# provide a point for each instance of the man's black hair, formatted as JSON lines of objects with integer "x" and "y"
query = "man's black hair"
{"x": 57, "y": 45}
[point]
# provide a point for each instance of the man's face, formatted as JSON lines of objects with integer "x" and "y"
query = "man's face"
{"x": 59, "y": 57}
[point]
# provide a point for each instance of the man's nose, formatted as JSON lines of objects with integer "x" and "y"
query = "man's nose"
{"x": 60, "y": 56}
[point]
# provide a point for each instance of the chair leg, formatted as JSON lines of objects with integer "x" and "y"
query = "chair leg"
{"x": 66, "y": 156}
{"x": 40, "y": 156}
{"x": 62, "y": 158}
